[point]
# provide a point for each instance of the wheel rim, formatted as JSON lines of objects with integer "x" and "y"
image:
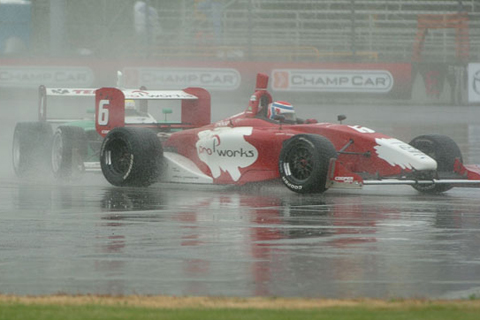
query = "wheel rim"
{"x": 301, "y": 162}
{"x": 57, "y": 152}
{"x": 118, "y": 157}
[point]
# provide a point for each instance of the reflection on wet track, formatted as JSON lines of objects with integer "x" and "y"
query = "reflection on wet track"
{"x": 88, "y": 237}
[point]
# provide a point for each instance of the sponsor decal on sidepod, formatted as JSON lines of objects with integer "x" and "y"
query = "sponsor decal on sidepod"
{"x": 225, "y": 149}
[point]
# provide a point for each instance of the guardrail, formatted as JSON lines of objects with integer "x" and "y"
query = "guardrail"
{"x": 387, "y": 27}
{"x": 283, "y": 53}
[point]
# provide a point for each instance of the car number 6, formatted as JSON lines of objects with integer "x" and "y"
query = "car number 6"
{"x": 103, "y": 112}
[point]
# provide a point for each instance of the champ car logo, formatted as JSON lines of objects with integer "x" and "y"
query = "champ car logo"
{"x": 396, "y": 152}
{"x": 172, "y": 78}
{"x": 280, "y": 80}
{"x": 332, "y": 80}
{"x": 50, "y": 76}
{"x": 225, "y": 149}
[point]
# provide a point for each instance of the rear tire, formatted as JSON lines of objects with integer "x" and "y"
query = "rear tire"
{"x": 443, "y": 150}
{"x": 69, "y": 150}
{"x": 304, "y": 162}
{"x": 131, "y": 157}
{"x": 31, "y": 148}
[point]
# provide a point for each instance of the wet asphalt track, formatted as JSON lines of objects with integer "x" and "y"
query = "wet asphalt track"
{"x": 86, "y": 237}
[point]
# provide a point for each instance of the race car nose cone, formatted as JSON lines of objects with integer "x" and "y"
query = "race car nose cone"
{"x": 397, "y": 152}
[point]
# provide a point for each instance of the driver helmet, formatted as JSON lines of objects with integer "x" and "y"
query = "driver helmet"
{"x": 130, "y": 105}
{"x": 283, "y": 108}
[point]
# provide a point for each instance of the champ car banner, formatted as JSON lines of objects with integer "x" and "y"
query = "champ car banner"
{"x": 387, "y": 80}
{"x": 50, "y": 76}
{"x": 474, "y": 82}
{"x": 326, "y": 80}
{"x": 174, "y": 78}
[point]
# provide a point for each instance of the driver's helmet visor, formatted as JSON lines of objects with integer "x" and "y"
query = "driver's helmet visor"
{"x": 281, "y": 108}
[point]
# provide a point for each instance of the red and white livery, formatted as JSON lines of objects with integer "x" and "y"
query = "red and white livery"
{"x": 307, "y": 156}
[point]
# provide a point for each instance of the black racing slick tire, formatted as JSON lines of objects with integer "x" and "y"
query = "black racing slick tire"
{"x": 304, "y": 162}
{"x": 31, "y": 148}
{"x": 69, "y": 150}
{"x": 131, "y": 157}
{"x": 444, "y": 151}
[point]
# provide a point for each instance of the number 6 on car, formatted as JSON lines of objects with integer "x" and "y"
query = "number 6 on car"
{"x": 109, "y": 110}
{"x": 102, "y": 115}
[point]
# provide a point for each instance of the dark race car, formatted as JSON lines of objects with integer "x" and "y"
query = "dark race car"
{"x": 68, "y": 144}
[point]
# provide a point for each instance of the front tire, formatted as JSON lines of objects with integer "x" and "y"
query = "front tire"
{"x": 131, "y": 157}
{"x": 69, "y": 150}
{"x": 31, "y": 148}
{"x": 443, "y": 150}
{"x": 304, "y": 162}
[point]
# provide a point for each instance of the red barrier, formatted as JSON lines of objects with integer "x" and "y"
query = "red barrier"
{"x": 392, "y": 80}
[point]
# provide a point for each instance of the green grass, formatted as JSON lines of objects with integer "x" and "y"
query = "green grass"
{"x": 13, "y": 311}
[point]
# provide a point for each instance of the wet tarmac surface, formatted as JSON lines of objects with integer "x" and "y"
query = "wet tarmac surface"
{"x": 87, "y": 237}
{"x": 93, "y": 238}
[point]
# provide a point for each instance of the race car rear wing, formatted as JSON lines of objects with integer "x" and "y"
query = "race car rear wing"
{"x": 43, "y": 92}
{"x": 110, "y": 106}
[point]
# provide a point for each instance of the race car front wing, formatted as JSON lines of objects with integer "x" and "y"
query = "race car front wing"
{"x": 340, "y": 177}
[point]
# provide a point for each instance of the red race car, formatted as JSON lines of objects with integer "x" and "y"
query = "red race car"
{"x": 266, "y": 142}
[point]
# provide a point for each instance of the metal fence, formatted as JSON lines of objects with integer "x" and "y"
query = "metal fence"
{"x": 287, "y": 30}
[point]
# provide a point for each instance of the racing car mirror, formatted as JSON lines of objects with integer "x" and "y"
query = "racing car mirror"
{"x": 279, "y": 117}
{"x": 166, "y": 111}
{"x": 42, "y": 103}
